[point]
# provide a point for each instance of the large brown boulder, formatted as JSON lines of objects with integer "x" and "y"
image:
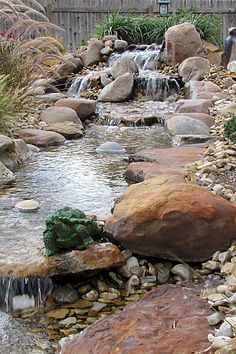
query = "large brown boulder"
{"x": 123, "y": 65}
{"x": 93, "y": 53}
{"x": 39, "y": 138}
{"x": 194, "y": 68}
{"x": 193, "y": 106}
{"x": 182, "y": 42}
{"x": 161, "y": 217}
{"x": 202, "y": 89}
{"x": 119, "y": 90}
{"x": 170, "y": 320}
{"x": 83, "y": 107}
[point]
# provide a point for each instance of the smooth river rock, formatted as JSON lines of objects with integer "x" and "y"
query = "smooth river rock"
{"x": 182, "y": 125}
{"x": 194, "y": 68}
{"x": 193, "y": 106}
{"x": 6, "y": 176}
{"x": 39, "y": 138}
{"x": 111, "y": 147}
{"x": 119, "y": 90}
{"x": 5, "y": 143}
{"x": 27, "y": 206}
{"x": 161, "y": 217}
{"x": 123, "y": 65}
{"x": 97, "y": 257}
{"x": 171, "y": 320}
{"x": 203, "y": 117}
{"x": 60, "y": 114}
{"x": 202, "y": 90}
{"x": 83, "y": 107}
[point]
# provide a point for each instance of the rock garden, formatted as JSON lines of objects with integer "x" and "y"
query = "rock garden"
{"x": 118, "y": 190}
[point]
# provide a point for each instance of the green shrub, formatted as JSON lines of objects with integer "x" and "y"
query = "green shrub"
{"x": 230, "y": 129}
{"x": 151, "y": 29}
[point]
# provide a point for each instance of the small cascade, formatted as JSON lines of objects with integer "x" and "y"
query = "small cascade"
{"x": 145, "y": 59}
{"x": 155, "y": 87}
{"x": 21, "y": 293}
{"x": 81, "y": 84}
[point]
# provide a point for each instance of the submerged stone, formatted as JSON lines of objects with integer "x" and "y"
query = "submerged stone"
{"x": 27, "y": 206}
{"x": 111, "y": 147}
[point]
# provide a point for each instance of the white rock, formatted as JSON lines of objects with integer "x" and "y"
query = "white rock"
{"x": 215, "y": 318}
{"x": 182, "y": 270}
{"x": 27, "y": 206}
{"x": 224, "y": 330}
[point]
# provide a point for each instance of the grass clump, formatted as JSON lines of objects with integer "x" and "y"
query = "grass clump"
{"x": 25, "y": 48}
{"x": 151, "y": 29}
{"x": 230, "y": 129}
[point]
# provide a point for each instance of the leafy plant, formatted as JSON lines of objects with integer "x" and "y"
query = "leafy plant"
{"x": 230, "y": 129}
{"x": 150, "y": 29}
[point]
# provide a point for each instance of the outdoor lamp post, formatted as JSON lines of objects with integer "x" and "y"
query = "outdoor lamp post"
{"x": 163, "y": 7}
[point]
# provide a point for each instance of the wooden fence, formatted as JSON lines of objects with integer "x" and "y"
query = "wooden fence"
{"x": 79, "y": 17}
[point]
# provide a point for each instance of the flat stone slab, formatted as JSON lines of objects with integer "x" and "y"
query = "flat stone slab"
{"x": 99, "y": 256}
{"x": 174, "y": 156}
{"x": 171, "y": 319}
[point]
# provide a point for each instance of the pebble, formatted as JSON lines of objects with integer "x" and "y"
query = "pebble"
{"x": 183, "y": 271}
{"x": 110, "y": 296}
{"x": 68, "y": 321}
{"x": 92, "y": 295}
{"x": 58, "y": 314}
{"x": 224, "y": 330}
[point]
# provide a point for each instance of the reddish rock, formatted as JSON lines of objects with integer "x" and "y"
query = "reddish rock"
{"x": 193, "y": 106}
{"x": 205, "y": 118}
{"x": 39, "y": 138}
{"x": 161, "y": 217}
{"x": 202, "y": 89}
{"x": 170, "y": 157}
{"x": 182, "y": 41}
{"x": 96, "y": 258}
{"x": 194, "y": 68}
{"x": 93, "y": 53}
{"x": 169, "y": 320}
{"x": 83, "y": 107}
{"x": 140, "y": 171}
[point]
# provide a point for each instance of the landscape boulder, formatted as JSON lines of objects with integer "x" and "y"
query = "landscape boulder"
{"x": 194, "y": 68}
{"x": 193, "y": 106}
{"x": 181, "y": 42}
{"x": 202, "y": 90}
{"x": 171, "y": 319}
{"x": 203, "y": 117}
{"x": 161, "y": 217}
{"x": 93, "y": 53}
{"x": 120, "y": 45}
{"x": 53, "y": 115}
{"x": 71, "y": 65}
{"x": 119, "y": 90}
{"x": 123, "y": 65}
{"x": 83, "y": 107}
{"x": 39, "y": 138}
{"x": 69, "y": 130}
{"x": 182, "y": 125}
{"x": 5, "y": 143}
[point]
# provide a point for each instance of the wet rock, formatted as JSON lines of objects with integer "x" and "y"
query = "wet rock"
{"x": 27, "y": 206}
{"x": 96, "y": 258}
{"x": 194, "y": 68}
{"x": 181, "y": 42}
{"x": 110, "y": 147}
{"x": 83, "y": 107}
{"x": 168, "y": 208}
{"x": 39, "y": 138}
{"x": 5, "y": 143}
{"x": 182, "y": 271}
{"x": 122, "y": 66}
{"x": 60, "y": 114}
{"x": 193, "y": 106}
{"x": 181, "y": 125}
{"x": 120, "y": 45}
{"x": 93, "y": 53}
{"x": 173, "y": 321}
{"x": 65, "y": 294}
{"x": 119, "y": 90}
{"x": 6, "y": 176}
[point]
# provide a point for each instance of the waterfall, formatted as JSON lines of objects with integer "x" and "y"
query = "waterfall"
{"x": 20, "y": 293}
{"x": 154, "y": 86}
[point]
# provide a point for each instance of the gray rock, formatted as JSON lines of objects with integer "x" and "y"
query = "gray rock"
{"x": 60, "y": 114}
{"x": 106, "y": 51}
{"x": 215, "y": 318}
{"x": 182, "y": 271}
{"x": 110, "y": 147}
{"x": 190, "y": 139}
{"x": 123, "y": 65}
{"x": 65, "y": 294}
{"x": 224, "y": 330}
{"x": 119, "y": 90}
{"x": 6, "y": 176}
{"x": 131, "y": 262}
{"x": 132, "y": 283}
{"x": 120, "y": 45}
{"x": 182, "y": 125}
{"x": 105, "y": 79}
{"x": 5, "y": 143}
{"x": 68, "y": 321}
{"x": 51, "y": 97}
{"x": 27, "y": 206}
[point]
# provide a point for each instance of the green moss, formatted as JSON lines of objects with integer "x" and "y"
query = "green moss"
{"x": 230, "y": 129}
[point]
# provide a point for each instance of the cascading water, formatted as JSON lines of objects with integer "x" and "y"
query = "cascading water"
{"x": 149, "y": 82}
{"x": 21, "y": 293}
